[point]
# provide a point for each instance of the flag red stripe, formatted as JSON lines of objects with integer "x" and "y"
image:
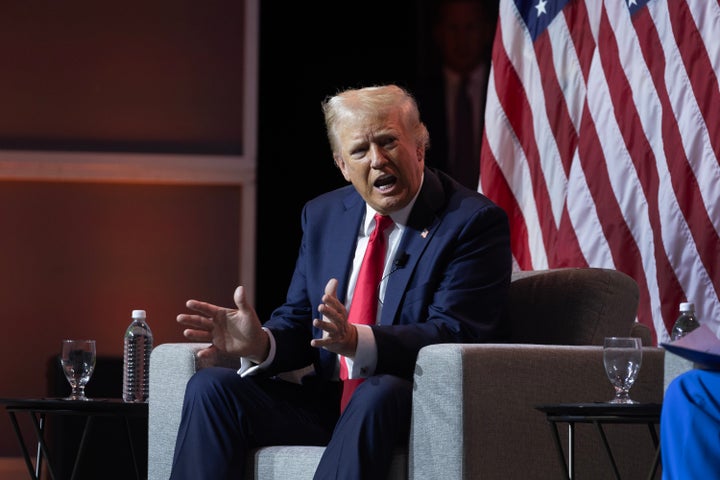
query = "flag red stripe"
{"x": 500, "y": 191}
{"x": 581, "y": 35}
{"x": 703, "y": 80}
{"x": 557, "y": 112}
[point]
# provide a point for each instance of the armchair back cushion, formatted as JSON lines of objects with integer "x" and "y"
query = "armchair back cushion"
{"x": 570, "y": 306}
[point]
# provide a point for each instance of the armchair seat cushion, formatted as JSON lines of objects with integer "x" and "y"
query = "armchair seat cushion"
{"x": 274, "y": 463}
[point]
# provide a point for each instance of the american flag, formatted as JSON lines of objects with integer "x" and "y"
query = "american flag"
{"x": 602, "y": 140}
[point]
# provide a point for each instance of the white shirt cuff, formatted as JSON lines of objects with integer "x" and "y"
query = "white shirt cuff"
{"x": 248, "y": 367}
{"x": 365, "y": 361}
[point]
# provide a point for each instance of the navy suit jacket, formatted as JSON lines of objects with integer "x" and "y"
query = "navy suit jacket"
{"x": 452, "y": 287}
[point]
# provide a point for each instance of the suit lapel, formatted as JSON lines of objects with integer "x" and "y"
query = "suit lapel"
{"x": 422, "y": 225}
{"x": 345, "y": 228}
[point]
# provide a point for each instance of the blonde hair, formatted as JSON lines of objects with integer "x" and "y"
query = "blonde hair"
{"x": 377, "y": 98}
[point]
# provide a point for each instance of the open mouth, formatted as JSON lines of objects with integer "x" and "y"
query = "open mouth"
{"x": 385, "y": 182}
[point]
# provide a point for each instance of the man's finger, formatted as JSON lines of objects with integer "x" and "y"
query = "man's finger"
{"x": 331, "y": 287}
{"x": 239, "y": 297}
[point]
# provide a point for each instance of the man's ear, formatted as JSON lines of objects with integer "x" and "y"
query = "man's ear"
{"x": 340, "y": 163}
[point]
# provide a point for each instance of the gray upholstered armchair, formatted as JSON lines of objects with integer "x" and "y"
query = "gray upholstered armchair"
{"x": 473, "y": 405}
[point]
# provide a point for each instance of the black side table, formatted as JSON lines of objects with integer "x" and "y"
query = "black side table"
{"x": 600, "y": 414}
{"x": 39, "y": 408}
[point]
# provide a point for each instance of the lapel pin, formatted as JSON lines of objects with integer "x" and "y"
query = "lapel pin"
{"x": 424, "y": 233}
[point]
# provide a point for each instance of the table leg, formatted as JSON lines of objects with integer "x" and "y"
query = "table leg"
{"x": 23, "y": 447}
{"x": 559, "y": 448}
{"x": 607, "y": 449}
{"x": 81, "y": 447}
{"x": 571, "y": 449}
{"x": 656, "y": 463}
{"x": 653, "y": 433}
{"x": 38, "y": 452}
{"x": 656, "y": 442}
{"x": 39, "y": 426}
{"x": 132, "y": 448}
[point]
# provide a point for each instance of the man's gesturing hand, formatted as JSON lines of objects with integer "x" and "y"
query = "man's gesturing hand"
{"x": 339, "y": 336}
{"x": 235, "y": 332}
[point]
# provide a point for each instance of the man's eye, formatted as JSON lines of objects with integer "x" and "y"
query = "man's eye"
{"x": 358, "y": 153}
{"x": 389, "y": 142}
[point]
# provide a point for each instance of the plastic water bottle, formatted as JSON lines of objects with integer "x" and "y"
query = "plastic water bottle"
{"x": 686, "y": 322}
{"x": 136, "y": 359}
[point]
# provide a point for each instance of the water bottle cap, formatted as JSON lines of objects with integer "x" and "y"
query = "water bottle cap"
{"x": 687, "y": 307}
{"x": 138, "y": 314}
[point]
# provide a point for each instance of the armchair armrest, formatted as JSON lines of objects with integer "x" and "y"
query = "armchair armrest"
{"x": 171, "y": 366}
{"x": 474, "y": 416}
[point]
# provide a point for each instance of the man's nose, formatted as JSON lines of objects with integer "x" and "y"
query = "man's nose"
{"x": 377, "y": 156}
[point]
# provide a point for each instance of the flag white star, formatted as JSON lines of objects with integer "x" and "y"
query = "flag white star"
{"x": 631, "y": 3}
{"x": 541, "y": 7}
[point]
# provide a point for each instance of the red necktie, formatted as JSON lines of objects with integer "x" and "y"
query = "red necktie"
{"x": 363, "y": 310}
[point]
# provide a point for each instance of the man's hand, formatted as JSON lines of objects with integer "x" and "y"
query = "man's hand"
{"x": 234, "y": 332}
{"x": 339, "y": 336}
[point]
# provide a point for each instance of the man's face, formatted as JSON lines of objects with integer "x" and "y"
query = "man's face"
{"x": 464, "y": 35}
{"x": 380, "y": 158}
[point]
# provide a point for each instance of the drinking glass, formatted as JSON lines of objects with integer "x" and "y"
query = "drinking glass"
{"x": 622, "y": 357}
{"x": 78, "y": 362}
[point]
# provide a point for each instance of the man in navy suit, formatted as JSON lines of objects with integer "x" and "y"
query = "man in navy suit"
{"x": 447, "y": 271}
